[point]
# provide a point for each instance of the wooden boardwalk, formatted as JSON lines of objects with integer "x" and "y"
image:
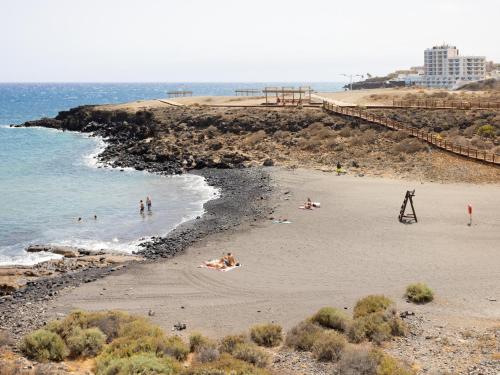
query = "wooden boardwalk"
{"x": 437, "y": 141}
{"x": 445, "y": 104}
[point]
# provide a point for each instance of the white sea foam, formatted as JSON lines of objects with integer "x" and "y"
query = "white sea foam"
{"x": 27, "y": 259}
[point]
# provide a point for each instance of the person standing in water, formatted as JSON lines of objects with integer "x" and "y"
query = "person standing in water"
{"x": 141, "y": 206}
{"x": 148, "y": 203}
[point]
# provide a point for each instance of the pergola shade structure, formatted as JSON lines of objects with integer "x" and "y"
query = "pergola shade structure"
{"x": 248, "y": 92}
{"x": 179, "y": 93}
{"x": 287, "y": 95}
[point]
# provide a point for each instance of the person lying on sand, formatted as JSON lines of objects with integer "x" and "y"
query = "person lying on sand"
{"x": 226, "y": 261}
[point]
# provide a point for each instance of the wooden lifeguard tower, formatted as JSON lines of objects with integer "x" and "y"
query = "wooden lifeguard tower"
{"x": 287, "y": 95}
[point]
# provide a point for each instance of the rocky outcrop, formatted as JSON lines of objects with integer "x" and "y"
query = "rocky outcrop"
{"x": 65, "y": 251}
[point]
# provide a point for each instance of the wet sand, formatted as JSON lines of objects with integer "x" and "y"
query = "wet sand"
{"x": 352, "y": 246}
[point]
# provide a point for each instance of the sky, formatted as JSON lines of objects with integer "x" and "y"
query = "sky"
{"x": 231, "y": 40}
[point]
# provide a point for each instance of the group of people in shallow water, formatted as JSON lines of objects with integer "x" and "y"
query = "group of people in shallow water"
{"x": 149, "y": 204}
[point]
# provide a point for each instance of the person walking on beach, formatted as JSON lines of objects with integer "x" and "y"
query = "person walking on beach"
{"x": 141, "y": 206}
{"x": 148, "y": 203}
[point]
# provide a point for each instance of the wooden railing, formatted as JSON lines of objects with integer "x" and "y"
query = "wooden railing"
{"x": 472, "y": 153}
{"x": 445, "y": 104}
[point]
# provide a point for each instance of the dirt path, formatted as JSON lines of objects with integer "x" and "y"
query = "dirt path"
{"x": 352, "y": 246}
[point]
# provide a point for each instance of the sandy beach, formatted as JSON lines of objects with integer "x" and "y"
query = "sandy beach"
{"x": 352, "y": 246}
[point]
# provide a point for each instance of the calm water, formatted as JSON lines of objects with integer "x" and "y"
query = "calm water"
{"x": 48, "y": 178}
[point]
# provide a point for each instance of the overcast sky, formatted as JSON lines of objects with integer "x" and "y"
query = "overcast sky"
{"x": 232, "y": 40}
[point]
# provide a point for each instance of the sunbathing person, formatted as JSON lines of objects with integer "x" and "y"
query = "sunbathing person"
{"x": 230, "y": 260}
{"x": 226, "y": 261}
{"x": 218, "y": 264}
{"x": 309, "y": 204}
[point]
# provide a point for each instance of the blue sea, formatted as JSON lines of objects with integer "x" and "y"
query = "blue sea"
{"x": 49, "y": 179}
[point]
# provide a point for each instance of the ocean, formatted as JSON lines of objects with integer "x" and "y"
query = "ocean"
{"x": 49, "y": 179}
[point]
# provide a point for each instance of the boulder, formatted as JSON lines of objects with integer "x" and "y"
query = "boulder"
{"x": 65, "y": 251}
{"x": 268, "y": 163}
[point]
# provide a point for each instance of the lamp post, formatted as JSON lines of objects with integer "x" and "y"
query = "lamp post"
{"x": 350, "y": 78}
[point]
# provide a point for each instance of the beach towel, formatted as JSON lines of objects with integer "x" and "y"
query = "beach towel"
{"x": 219, "y": 269}
{"x": 282, "y": 222}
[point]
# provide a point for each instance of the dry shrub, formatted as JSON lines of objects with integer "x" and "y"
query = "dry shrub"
{"x": 225, "y": 365}
{"x": 368, "y": 137}
{"x": 211, "y": 131}
{"x": 358, "y": 361}
{"x": 388, "y": 365}
{"x": 410, "y": 146}
{"x": 330, "y": 317}
{"x": 470, "y": 131}
{"x": 373, "y": 327}
{"x": 205, "y": 349}
{"x": 282, "y": 135}
{"x": 251, "y": 353}
{"x": 142, "y": 336}
{"x": 331, "y": 143}
{"x": 269, "y": 335}
{"x": 86, "y": 342}
{"x": 109, "y": 322}
{"x": 308, "y": 144}
{"x": 419, "y": 293}
{"x": 345, "y": 132}
{"x": 4, "y": 338}
{"x": 208, "y": 353}
{"x": 254, "y": 138}
{"x": 397, "y": 136}
{"x": 229, "y": 343}
{"x": 371, "y": 304}
{"x": 303, "y": 336}
{"x": 138, "y": 363}
{"x": 329, "y": 346}
{"x": 43, "y": 345}
{"x": 197, "y": 340}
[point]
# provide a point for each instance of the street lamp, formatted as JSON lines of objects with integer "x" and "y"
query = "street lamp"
{"x": 350, "y": 77}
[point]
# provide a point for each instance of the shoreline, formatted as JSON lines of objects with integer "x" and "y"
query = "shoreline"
{"x": 241, "y": 192}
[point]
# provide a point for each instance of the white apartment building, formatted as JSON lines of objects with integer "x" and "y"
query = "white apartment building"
{"x": 444, "y": 68}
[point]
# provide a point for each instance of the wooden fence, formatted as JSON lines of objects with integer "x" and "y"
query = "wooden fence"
{"x": 475, "y": 154}
{"x": 445, "y": 104}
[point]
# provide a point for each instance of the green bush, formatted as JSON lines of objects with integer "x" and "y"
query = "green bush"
{"x": 487, "y": 131}
{"x": 251, "y": 353}
{"x": 329, "y": 346}
{"x": 303, "y": 335}
{"x": 109, "y": 322}
{"x": 86, "y": 342}
{"x": 137, "y": 364}
{"x": 371, "y": 304}
{"x": 228, "y": 343}
{"x": 373, "y": 327}
{"x": 267, "y": 334}
{"x": 43, "y": 345}
{"x": 226, "y": 365}
{"x": 419, "y": 293}
{"x": 140, "y": 336}
{"x": 330, "y": 317}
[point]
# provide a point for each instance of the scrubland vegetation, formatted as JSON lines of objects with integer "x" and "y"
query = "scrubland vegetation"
{"x": 122, "y": 344}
